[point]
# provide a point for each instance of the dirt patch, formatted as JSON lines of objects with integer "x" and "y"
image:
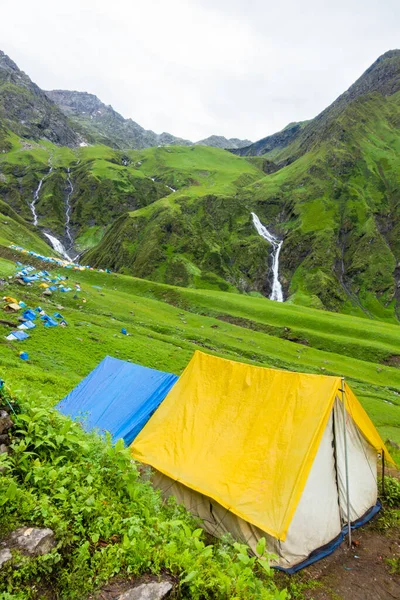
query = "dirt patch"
{"x": 248, "y": 324}
{"x": 392, "y": 361}
{"x": 359, "y": 573}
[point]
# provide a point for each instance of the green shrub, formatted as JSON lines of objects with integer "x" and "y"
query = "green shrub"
{"x": 392, "y": 492}
{"x": 107, "y": 521}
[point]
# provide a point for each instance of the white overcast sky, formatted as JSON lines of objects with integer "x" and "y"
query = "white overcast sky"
{"x": 239, "y": 68}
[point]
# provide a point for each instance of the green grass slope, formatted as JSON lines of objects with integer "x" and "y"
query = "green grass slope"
{"x": 182, "y": 215}
{"x": 166, "y": 324}
{"x": 14, "y": 230}
{"x": 338, "y": 209}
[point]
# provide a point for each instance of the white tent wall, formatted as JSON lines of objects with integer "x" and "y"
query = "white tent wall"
{"x": 315, "y": 523}
{"x": 362, "y": 466}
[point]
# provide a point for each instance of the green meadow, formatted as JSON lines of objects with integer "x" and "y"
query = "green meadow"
{"x": 166, "y": 324}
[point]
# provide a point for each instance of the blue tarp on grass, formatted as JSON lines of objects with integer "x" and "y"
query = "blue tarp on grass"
{"x": 118, "y": 397}
{"x": 29, "y": 315}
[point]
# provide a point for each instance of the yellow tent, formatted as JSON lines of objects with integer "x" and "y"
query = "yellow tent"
{"x": 12, "y": 307}
{"x": 10, "y": 299}
{"x": 260, "y": 452}
{"x": 43, "y": 285}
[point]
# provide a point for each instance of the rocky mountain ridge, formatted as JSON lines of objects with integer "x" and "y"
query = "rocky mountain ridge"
{"x": 219, "y": 141}
{"x": 27, "y": 110}
{"x": 382, "y": 77}
{"x": 71, "y": 118}
{"x": 100, "y": 123}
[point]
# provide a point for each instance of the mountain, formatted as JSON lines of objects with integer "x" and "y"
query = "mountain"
{"x": 26, "y": 109}
{"x": 329, "y": 189}
{"x": 101, "y": 124}
{"x": 70, "y": 118}
{"x": 382, "y": 77}
{"x": 276, "y": 141}
{"x": 336, "y": 198}
{"x": 218, "y": 141}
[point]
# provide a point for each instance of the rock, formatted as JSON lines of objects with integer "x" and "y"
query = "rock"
{"x": 147, "y": 591}
{"x": 3, "y": 448}
{"x": 33, "y": 541}
{"x": 5, "y": 556}
{"x": 5, "y": 421}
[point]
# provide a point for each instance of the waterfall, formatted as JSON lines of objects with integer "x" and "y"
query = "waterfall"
{"x": 36, "y": 198}
{"x": 57, "y": 245}
{"x": 276, "y": 293}
{"x": 68, "y": 210}
{"x": 168, "y": 186}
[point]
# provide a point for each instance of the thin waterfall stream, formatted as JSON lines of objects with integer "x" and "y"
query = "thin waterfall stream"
{"x": 56, "y": 244}
{"x": 32, "y": 204}
{"x": 276, "y": 292}
{"x": 68, "y": 209}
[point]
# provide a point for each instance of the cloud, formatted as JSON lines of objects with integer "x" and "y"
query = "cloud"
{"x": 197, "y": 67}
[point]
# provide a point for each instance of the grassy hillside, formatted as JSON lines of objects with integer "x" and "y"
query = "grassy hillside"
{"x": 166, "y": 324}
{"x": 337, "y": 208}
{"x": 182, "y": 215}
{"x": 13, "y": 229}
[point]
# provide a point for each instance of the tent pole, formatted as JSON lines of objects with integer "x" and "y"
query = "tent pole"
{"x": 383, "y": 473}
{"x": 346, "y": 462}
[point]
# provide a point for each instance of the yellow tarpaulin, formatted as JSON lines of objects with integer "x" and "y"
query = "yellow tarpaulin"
{"x": 10, "y": 299}
{"x": 245, "y": 436}
{"x": 12, "y": 307}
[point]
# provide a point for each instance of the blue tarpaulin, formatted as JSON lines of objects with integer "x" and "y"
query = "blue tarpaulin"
{"x": 48, "y": 321}
{"x": 29, "y": 315}
{"x": 118, "y": 397}
{"x": 17, "y": 335}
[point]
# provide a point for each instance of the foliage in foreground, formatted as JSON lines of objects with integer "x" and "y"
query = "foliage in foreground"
{"x": 107, "y": 521}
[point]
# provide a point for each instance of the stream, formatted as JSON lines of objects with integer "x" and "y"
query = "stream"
{"x": 276, "y": 293}
{"x": 68, "y": 209}
{"x": 36, "y": 198}
{"x": 57, "y": 245}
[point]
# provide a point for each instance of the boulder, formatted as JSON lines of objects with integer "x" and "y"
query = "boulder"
{"x": 5, "y": 556}
{"x": 148, "y": 591}
{"x": 33, "y": 541}
{"x": 5, "y": 421}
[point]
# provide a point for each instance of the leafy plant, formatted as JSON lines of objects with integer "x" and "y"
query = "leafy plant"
{"x": 108, "y": 521}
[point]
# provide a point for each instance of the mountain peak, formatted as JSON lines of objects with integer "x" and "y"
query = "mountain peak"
{"x": 219, "y": 141}
{"x": 26, "y": 109}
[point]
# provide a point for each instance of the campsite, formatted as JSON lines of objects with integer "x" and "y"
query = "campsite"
{"x": 165, "y": 326}
{"x": 199, "y": 300}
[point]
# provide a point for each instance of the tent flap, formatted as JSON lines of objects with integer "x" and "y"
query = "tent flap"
{"x": 364, "y": 423}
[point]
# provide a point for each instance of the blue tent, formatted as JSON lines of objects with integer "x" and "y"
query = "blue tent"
{"x": 17, "y": 335}
{"x": 29, "y": 314}
{"x": 118, "y": 397}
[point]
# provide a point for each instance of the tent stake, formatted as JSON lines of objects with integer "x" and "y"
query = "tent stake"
{"x": 346, "y": 463}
